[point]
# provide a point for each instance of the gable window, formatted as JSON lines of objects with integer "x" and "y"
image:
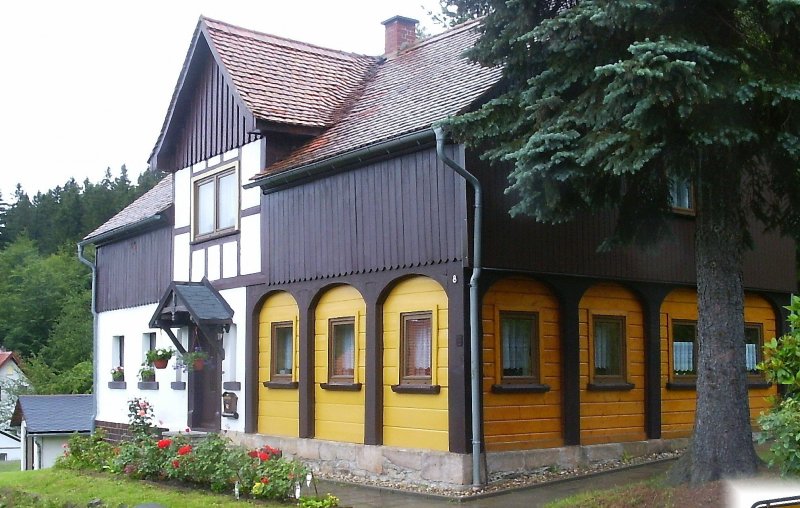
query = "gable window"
{"x": 520, "y": 347}
{"x": 416, "y": 356}
{"x": 681, "y": 195}
{"x": 342, "y": 350}
{"x": 282, "y": 352}
{"x": 684, "y": 348}
{"x": 608, "y": 341}
{"x": 216, "y": 203}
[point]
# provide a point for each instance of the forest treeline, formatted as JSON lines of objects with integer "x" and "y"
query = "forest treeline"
{"x": 45, "y": 292}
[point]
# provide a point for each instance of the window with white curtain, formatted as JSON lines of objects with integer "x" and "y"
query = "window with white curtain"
{"x": 609, "y": 348}
{"x": 519, "y": 347}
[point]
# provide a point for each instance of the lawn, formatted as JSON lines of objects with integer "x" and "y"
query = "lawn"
{"x": 9, "y": 465}
{"x": 649, "y": 494}
{"x": 58, "y": 487}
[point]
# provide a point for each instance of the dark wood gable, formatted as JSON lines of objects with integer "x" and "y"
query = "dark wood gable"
{"x": 206, "y": 116}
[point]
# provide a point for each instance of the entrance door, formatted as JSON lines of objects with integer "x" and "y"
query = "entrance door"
{"x": 205, "y": 397}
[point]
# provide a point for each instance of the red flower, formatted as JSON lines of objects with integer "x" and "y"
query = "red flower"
{"x": 183, "y": 450}
{"x": 164, "y": 443}
{"x": 263, "y": 456}
{"x": 253, "y": 453}
{"x": 264, "y": 480}
{"x": 176, "y": 463}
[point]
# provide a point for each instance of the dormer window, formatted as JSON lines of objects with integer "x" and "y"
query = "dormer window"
{"x": 216, "y": 203}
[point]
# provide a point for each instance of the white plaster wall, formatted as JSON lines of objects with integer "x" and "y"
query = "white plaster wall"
{"x": 230, "y": 262}
{"x": 250, "y": 165}
{"x": 230, "y": 154}
{"x": 250, "y": 244}
{"x": 198, "y": 265}
{"x": 10, "y": 447}
{"x": 213, "y": 253}
{"x": 180, "y": 265}
{"x": 236, "y": 298}
{"x": 169, "y": 406}
{"x": 51, "y": 448}
{"x": 182, "y": 193}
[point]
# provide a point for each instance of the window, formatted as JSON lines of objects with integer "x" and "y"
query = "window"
{"x": 753, "y": 345}
{"x": 416, "y": 344}
{"x": 681, "y": 194}
{"x": 282, "y": 352}
{"x": 118, "y": 351}
{"x": 216, "y": 202}
{"x": 684, "y": 348}
{"x": 520, "y": 347}
{"x": 341, "y": 350}
{"x": 149, "y": 343}
{"x": 609, "y": 349}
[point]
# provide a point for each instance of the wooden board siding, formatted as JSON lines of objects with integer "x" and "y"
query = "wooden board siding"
{"x": 402, "y": 212}
{"x": 518, "y": 421}
{"x": 134, "y": 271}
{"x": 678, "y": 406}
{"x": 571, "y": 248}
{"x": 208, "y": 122}
{"x": 612, "y": 416}
{"x": 339, "y": 415}
{"x": 278, "y": 409}
{"x": 413, "y": 420}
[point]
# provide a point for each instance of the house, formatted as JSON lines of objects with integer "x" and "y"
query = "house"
{"x": 12, "y": 382}
{"x": 9, "y": 446}
{"x": 314, "y": 237}
{"x": 46, "y": 423}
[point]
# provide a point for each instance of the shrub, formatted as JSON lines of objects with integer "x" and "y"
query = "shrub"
{"x": 781, "y": 427}
{"x": 84, "y": 453}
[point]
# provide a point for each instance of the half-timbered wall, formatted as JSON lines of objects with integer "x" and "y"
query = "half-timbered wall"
{"x": 206, "y": 123}
{"x": 402, "y": 212}
{"x": 134, "y": 271}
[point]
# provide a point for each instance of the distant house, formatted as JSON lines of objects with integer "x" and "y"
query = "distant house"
{"x": 45, "y": 424}
{"x": 314, "y": 237}
{"x": 9, "y": 446}
{"x": 12, "y": 382}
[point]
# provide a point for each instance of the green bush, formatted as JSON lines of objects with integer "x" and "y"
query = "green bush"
{"x": 781, "y": 427}
{"x": 87, "y": 453}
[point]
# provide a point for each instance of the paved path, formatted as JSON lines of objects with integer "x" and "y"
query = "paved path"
{"x": 365, "y": 497}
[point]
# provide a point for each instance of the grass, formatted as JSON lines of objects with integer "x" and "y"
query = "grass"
{"x": 648, "y": 494}
{"x": 9, "y": 465}
{"x": 58, "y": 487}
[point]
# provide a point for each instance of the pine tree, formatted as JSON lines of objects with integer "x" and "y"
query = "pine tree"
{"x": 605, "y": 102}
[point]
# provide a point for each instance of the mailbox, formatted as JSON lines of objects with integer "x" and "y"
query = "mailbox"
{"x": 230, "y": 402}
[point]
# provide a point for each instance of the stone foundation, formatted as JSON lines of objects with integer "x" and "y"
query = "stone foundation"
{"x": 442, "y": 469}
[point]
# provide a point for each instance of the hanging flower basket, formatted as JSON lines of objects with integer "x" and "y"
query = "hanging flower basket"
{"x": 198, "y": 364}
{"x": 195, "y": 360}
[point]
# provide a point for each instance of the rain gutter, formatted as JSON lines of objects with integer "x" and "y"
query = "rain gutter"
{"x": 93, "y": 268}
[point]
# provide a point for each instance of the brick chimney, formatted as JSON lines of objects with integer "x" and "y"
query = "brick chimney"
{"x": 400, "y": 32}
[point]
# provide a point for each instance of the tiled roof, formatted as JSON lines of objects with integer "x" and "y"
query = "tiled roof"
{"x": 286, "y": 81}
{"x": 423, "y": 84}
{"x": 54, "y": 413}
{"x": 149, "y": 204}
{"x": 204, "y": 301}
{"x": 8, "y": 355}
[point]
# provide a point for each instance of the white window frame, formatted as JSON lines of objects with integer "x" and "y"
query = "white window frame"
{"x": 204, "y": 177}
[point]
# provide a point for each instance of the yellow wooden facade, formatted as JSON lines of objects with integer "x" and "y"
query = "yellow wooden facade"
{"x": 678, "y": 406}
{"x": 615, "y": 415}
{"x": 278, "y": 409}
{"x": 415, "y": 420}
{"x": 339, "y": 415}
{"x": 518, "y": 421}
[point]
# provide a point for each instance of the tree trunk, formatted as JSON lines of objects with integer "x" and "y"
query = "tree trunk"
{"x": 722, "y": 444}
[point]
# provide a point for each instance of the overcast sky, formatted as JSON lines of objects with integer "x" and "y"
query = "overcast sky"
{"x": 86, "y": 84}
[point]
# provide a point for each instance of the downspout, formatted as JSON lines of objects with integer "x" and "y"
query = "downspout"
{"x": 93, "y": 268}
{"x": 474, "y": 305}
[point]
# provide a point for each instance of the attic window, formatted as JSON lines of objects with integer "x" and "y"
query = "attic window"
{"x": 216, "y": 203}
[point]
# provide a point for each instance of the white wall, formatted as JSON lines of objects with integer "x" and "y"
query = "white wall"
{"x": 10, "y": 447}
{"x": 48, "y": 449}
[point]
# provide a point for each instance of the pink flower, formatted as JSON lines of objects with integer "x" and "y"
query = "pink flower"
{"x": 188, "y": 429}
{"x": 176, "y": 463}
{"x": 142, "y": 412}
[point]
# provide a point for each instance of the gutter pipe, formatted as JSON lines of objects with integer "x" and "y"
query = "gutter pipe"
{"x": 93, "y": 268}
{"x": 474, "y": 304}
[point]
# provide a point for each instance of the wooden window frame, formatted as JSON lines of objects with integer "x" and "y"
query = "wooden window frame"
{"x": 415, "y": 380}
{"x": 275, "y": 376}
{"x": 339, "y": 379}
{"x": 215, "y": 175}
{"x": 609, "y": 381}
{"x": 695, "y": 351}
{"x": 757, "y": 376}
{"x": 535, "y": 354}
{"x": 691, "y": 210}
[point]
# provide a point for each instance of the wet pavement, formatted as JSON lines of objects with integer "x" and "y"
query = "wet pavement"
{"x": 528, "y": 497}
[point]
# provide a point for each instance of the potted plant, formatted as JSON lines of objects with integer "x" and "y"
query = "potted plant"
{"x": 118, "y": 373}
{"x": 195, "y": 360}
{"x": 159, "y": 357}
{"x": 147, "y": 373}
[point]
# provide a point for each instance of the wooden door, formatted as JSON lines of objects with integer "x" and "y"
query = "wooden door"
{"x": 205, "y": 397}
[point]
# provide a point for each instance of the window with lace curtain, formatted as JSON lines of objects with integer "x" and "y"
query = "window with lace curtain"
{"x": 609, "y": 349}
{"x": 416, "y": 359}
{"x": 282, "y": 352}
{"x": 520, "y": 347}
{"x": 342, "y": 350}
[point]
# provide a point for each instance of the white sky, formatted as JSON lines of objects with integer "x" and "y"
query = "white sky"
{"x": 85, "y": 84}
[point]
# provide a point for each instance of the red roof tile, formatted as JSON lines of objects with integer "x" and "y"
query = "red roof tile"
{"x": 8, "y": 355}
{"x": 424, "y": 84}
{"x": 286, "y": 81}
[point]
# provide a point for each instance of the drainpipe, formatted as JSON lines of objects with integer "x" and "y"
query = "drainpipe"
{"x": 474, "y": 305}
{"x": 93, "y": 268}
